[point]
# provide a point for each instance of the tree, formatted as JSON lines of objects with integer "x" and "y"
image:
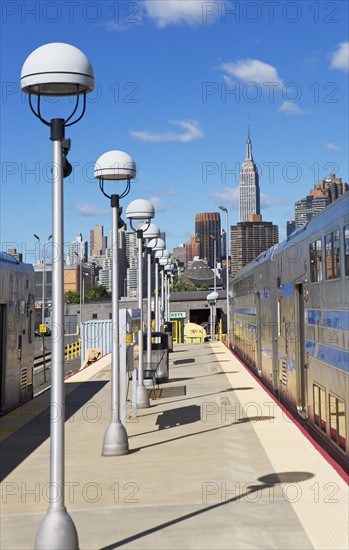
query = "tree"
{"x": 96, "y": 293}
{"x": 182, "y": 285}
{"x": 71, "y": 297}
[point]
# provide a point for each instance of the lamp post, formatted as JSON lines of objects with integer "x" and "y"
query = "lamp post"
{"x": 53, "y": 70}
{"x": 158, "y": 246}
{"x": 164, "y": 260}
{"x": 43, "y": 303}
{"x": 168, "y": 268}
{"x": 212, "y": 298}
{"x": 80, "y": 288}
{"x": 115, "y": 166}
{"x": 214, "y": 276}
{"x": 139, "y": 210}
{"x": 224, "y": 209}
{"x": 150, "y": 234}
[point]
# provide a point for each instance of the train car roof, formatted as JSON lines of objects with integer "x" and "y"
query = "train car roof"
{"x": 10, "y": 263}
{"x": 332, "y": 212}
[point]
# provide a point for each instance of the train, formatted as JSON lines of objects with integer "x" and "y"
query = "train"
{"x": 17, "y": 317}
{"x": 290, "y": 324}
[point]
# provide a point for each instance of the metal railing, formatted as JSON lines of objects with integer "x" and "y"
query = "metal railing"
{"x": 71, "y": 351}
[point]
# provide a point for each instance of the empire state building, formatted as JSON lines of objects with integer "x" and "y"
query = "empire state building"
{"x": 249, "y": 185}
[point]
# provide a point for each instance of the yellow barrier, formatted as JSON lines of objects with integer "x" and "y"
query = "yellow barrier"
{"x": 73, "y": 350}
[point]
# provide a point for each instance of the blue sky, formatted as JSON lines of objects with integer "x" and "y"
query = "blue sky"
{"x": 177, "y": 82}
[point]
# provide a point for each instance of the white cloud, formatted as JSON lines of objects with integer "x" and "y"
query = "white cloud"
{"x": 268, "y": 202}
{"x": 252, "y": 70}
{"x": 86, "y": 209}
{"x": 158, "y": 204}
{"x": 192, "y": 133}
{"x": 331, "y": 146}
{"x": 340, "y": 57}
{"x": 176, "y": 12}
{"x": 229, "y": 197}
{"x": 292, "y": 109}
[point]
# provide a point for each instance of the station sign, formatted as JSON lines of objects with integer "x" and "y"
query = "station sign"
{"x": 178, "y": 314}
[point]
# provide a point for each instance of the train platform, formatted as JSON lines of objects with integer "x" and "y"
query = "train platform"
{"x": 214, "y": 463}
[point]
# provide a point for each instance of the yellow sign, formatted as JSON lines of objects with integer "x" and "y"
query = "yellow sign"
{"x": 42, "y": 328}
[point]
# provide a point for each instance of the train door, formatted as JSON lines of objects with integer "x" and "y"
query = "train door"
{"x": 300, "y": 349}
{"x": 258, "y": 334}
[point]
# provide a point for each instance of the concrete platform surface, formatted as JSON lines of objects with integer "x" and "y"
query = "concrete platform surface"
{"x": 214, "y": 463}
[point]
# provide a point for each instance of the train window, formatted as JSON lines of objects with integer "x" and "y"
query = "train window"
{"x": 332, "y": 252}
{"x": 337, "y": 421}
{"x": 319, "y": 407}
{"x": 315, "y": 254}
{"x": 346, "y": 250}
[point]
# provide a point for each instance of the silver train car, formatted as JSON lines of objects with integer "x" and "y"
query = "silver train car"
{"x": 17, "y": 286}
{"x": 290, "y": 324}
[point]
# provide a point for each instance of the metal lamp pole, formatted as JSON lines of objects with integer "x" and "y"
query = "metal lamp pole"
{"x": 115, "y": 165}
{"x": 212, "y": 298}
{"x": 80, "y": 288}
{"x": 214, "y": 277}
{"x": 150, "y": 234}
{"x": 43, "y": 304}
{"x": 57, "y": 69}
{"x": 224, "y": 209}
{"x": 158, "y": 247}
{"x": 164, "y": 260}
{"x": 138, "y": 210}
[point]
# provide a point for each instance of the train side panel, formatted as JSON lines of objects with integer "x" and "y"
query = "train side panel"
{"x": 17, "y": 284}
{"x": 297, "y": 294}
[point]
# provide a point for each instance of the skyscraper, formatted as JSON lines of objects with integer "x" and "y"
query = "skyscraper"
{"x": 249, "y": 192}
{"x": 249, "y": 239}
{"x": 77, "y": 251}
{"x": 98, "y": 242}
{"x": 208, "y": 225}
{"x": 324, "y": 192}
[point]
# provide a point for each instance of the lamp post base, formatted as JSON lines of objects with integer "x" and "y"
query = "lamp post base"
{"x": 142, "y": 397}
{"x": 115, "y": 442}
{"x": 57, "y": 532}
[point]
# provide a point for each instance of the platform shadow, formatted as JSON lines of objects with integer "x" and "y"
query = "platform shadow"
{"x": 263, "y": 483}
{"x": 24, "y": 441}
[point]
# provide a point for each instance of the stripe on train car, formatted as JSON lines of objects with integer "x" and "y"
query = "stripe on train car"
{"x": 246, "y": 310}
{"x": 338, "y": 358}
{"x": 328, "y": 319}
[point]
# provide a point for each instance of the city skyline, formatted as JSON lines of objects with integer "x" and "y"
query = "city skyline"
{"x": 176, "y": 87}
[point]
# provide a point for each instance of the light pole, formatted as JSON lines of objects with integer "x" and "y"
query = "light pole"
{"x": 139, "y": 210}
{"x": 224, "y": 209}
{"x": 43, "y": 303}
{"x": 150, "y": 234}
{"x": 158, "y": 246}
{"x": 168, "y": 268}
{"x": 57, "y": 69}
{"x": 115, "y": 166}
{"x": 212, "y": 298}
{"x": 163, "y": 261}
{"x": 80, "y": 288}
{"x": 214, "y": 276}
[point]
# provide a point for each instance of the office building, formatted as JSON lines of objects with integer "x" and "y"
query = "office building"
{"x": 249, "y": 193}
{"x": 98, "y": 242}
{"x": 324, "y": 192}
{"x": 249, "y": 239}
{"x": 77, "y": 251}
{"x": 208, "y": 235}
